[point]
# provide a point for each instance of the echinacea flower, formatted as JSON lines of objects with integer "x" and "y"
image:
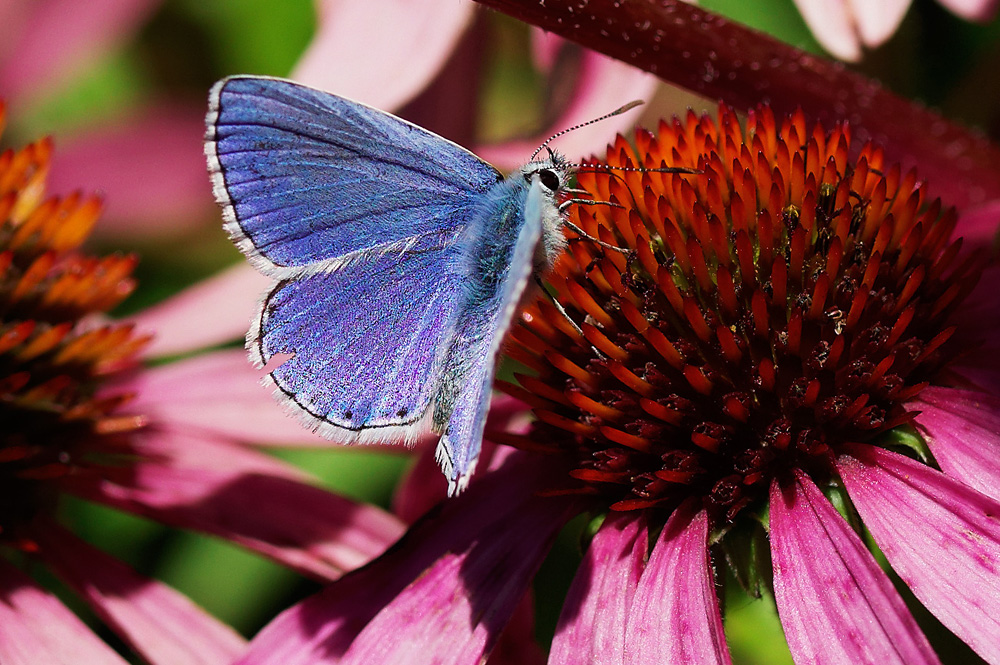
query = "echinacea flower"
{"x": 768, "y": 329}
{"x": 788, "y": 351}
{"x": 80, "y": 416}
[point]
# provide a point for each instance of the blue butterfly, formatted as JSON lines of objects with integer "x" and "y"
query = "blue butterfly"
{"x": 399, "y": 260}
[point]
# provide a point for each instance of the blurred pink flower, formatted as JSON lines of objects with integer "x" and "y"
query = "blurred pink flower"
{"x": 723, "y": 370}
{"x": 148, "y": 161}
{"x": 81, "y": 417}
{"x": 844, "y": 27}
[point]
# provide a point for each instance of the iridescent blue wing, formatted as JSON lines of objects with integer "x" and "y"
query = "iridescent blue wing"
{"x": 500, "y": 269}
{"x": 366, "y": 340}
{"x": 305, "y": 177}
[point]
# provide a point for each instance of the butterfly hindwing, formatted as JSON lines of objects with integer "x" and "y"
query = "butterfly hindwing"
{"x": 306, "y": 177}
{"x": 366, "y": 340}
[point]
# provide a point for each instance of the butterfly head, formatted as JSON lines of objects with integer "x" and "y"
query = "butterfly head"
{"x": 551, "y": 177}
{"x": 552, "y": 173}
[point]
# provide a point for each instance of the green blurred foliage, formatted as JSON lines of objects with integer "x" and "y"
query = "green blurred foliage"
{"x": 190, "y": 43}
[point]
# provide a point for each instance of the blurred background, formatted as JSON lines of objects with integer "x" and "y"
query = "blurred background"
{"x": 121, "y": 86}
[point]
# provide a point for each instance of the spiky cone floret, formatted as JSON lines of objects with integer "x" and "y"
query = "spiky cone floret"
{"x": 54, "y": 347}
{"x": 781, "y": 303}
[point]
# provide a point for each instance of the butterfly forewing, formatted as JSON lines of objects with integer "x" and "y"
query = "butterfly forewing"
{"x": 306, "y": 178}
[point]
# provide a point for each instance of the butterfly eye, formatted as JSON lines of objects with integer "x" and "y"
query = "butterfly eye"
{"x": 549, "y": 179}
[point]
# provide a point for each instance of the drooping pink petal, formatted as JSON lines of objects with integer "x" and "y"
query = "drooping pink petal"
{"x": 36, "y": 628}
{"x": 717, "y": 58}
{"x": 213, "y": 311}
{"x": 162, "y": 625}
{"x": 592, "y": 624}
{"x": 60, "y": 37}
{"x": 269, "y": 511}
{"x": 180, "y": 449}
{"x": 393, "y": 48}
{"x": 218, "y": 393}
{"x": 963, "y": 432}
{"x": 972, "y": 10}
{"x": 836, "y": 605}
{"x": 832, "y": 25}
{"x": 423, "y": 486}
{"x": 675, "y": 615}
{"x": 454, "y": 612}
{"x": 941, "y": 537}
{"x": 602, "y": 85}
{"x": 150, "y": 168}
{"x": 487, "y": 516}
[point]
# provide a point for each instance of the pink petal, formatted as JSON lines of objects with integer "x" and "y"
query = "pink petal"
{"x": 487, "y": 523}
{"x": 212, "y": 312}
{"x": 381, "y": 54}
{"x": 150, "y": 168}
{"x": 545, "y": 48}
{"x": 719, "y": 59}
{"x": 424, "y": 486}
{"x": 592, "y": 625}
{"x": 831, "y": 23}
{"x": 963, "y": 432}
{"x": 940, "y": 536}
{"x": 603, "y": 84}
{"x": 454, "y": 612}
{"x": 162, "y": 625}
{"x": 972, "y": 10}
{"x": 60, "y": 37}
{"x": 259, "y": 510}
{"x": 218, "y": 393}
{"x": 876, "y": 22}
{"x": 181, "y": 449}
{"x": 675, "y": 614}
{"x": 836, "y": 605}
{"x": 36, "y": 628}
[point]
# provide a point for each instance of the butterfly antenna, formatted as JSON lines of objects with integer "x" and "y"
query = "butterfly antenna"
{"x": 605, "y": 168}
{"x": 618, "y": 111}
